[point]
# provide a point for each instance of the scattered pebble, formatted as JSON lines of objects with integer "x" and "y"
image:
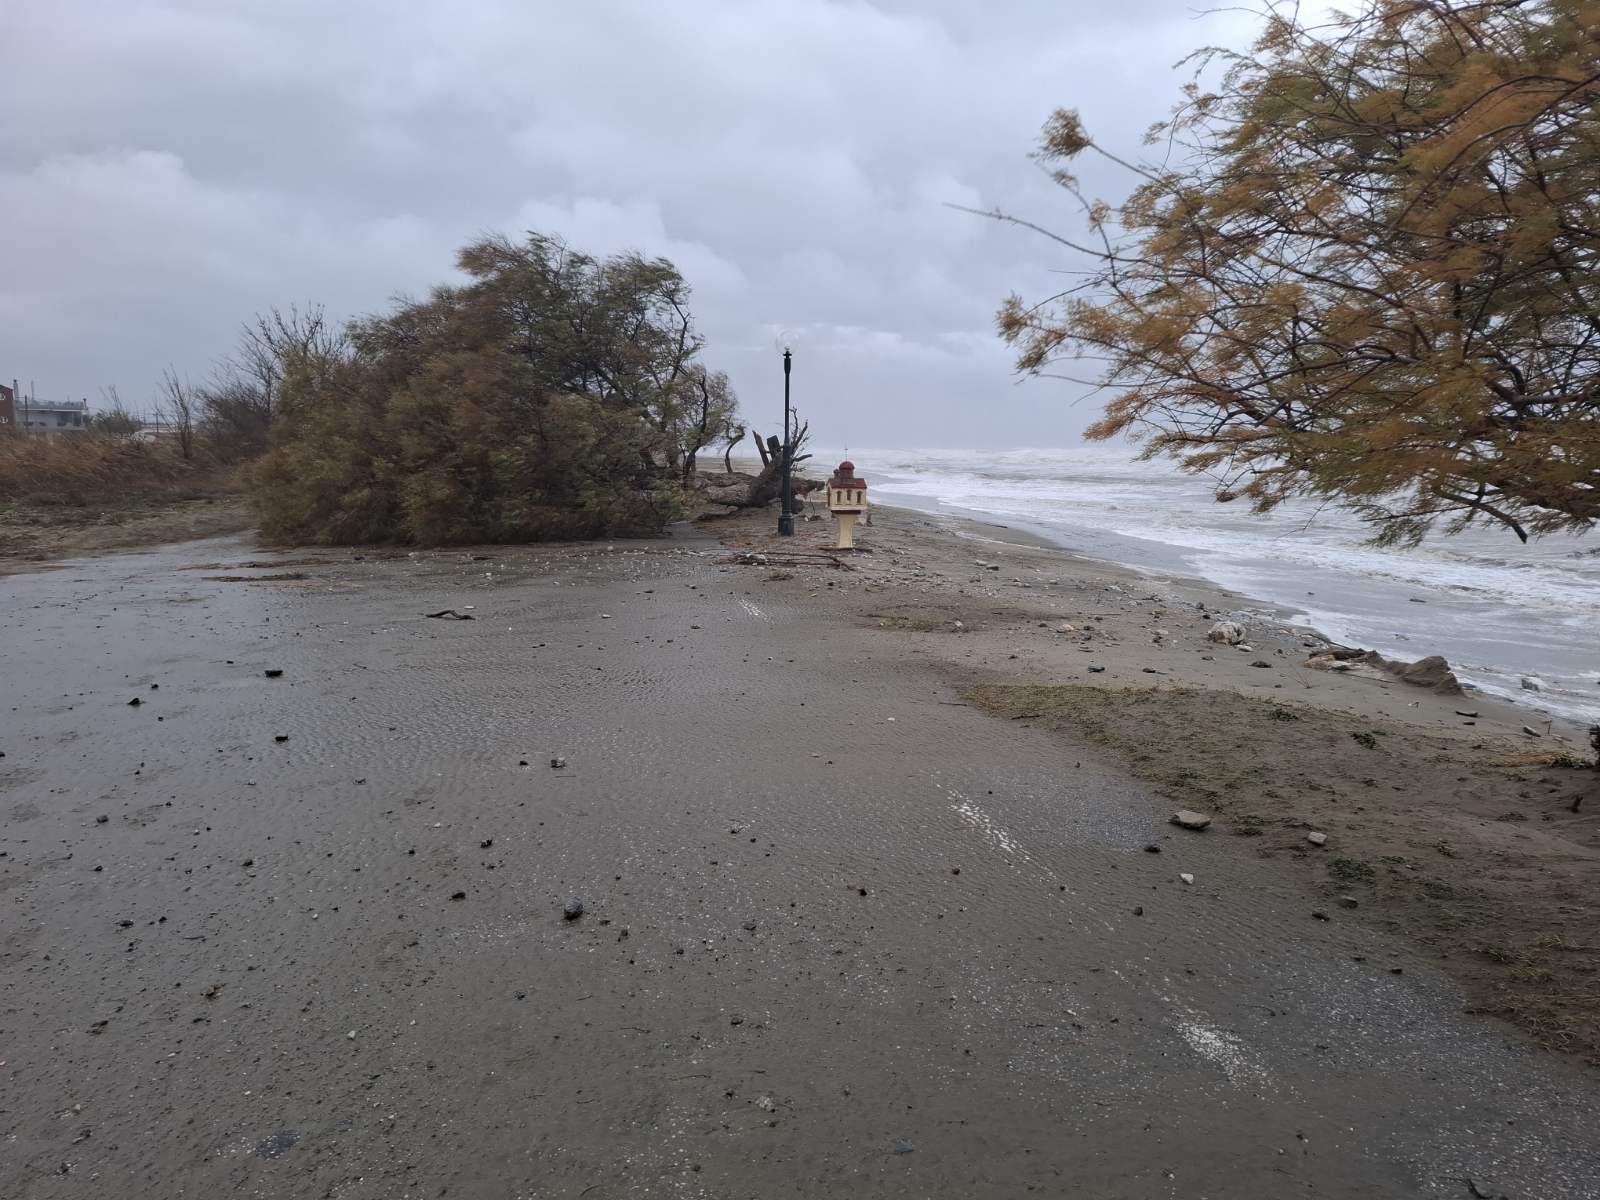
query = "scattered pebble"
{"x": 1188, "y": 819}
{"x": 573, "y": 909}
{"x": 1317, "y": 839}
{"x": 1186, "y": 877}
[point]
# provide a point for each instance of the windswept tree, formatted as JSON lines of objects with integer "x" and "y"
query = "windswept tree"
{"x": 178, "y": 410}
{"x": 555, "y": 395}
{"x": 1364, "y": 266}
{"x": 239, "y": 401}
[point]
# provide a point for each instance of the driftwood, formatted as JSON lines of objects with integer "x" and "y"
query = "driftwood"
{"x": 785, "y": 558}
{"x": 739, "y": 490}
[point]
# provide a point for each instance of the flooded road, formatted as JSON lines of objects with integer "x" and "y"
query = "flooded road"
{"x": 303, "y": 936}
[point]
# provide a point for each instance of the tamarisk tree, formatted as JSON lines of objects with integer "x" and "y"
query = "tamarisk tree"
{"x": 1365, "y": 266}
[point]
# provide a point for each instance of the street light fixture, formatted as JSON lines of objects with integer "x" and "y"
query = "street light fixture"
{"x": 786, "y": 517}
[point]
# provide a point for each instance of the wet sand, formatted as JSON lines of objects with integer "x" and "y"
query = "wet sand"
{"x": 845, "y": 932}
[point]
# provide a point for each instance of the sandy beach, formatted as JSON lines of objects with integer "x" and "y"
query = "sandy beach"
{"x": 879, "y": 892}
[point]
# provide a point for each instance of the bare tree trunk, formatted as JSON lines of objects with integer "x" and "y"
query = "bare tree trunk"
{"x": 175, "y": 404}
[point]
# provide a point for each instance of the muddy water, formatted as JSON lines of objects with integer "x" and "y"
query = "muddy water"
{"x": 842, "y": 935}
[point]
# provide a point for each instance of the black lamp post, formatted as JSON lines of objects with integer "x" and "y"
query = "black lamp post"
{"x": 786, "y": 517}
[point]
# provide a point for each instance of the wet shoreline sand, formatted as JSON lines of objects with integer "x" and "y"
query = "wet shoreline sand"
{"x": 845, "y": 929}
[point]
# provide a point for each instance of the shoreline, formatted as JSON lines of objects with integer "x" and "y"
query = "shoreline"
{"x": 1443, "y": 820}
{"x": 869, "y": 901}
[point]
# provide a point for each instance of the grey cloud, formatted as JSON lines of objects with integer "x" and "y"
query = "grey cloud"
{"x": 183, "y": 164}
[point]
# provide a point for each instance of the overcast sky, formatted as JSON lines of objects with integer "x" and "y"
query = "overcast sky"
{"x": 166, "y": 169}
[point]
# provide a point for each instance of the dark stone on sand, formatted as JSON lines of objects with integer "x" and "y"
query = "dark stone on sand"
{"x": 273, "y": 672}
{"x": 1261, "y": 662}
{"x": 1096, "y": 670}
{"x": 458, "y": 895}
{"x": 903, "y": 1147}
{"x": 572, "y": 910}
{"x": 1138, "y": 910}
{"x": 101, "y": 820}
{"x": 1152, "y": 848}
{"x": 280, "y": 737}
{"x": 749, "y": 926}
{"x": 249, "y": 862}
{"x": 1319, "y": 914}
{"x": 558, "y": 763}
{"x": 1349, "y": 902}
{"x": 1432, "y": 673}
{"x": 135, "y": 702}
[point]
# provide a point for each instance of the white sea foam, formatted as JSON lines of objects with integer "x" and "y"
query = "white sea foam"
{"x": 1496, "y": 608}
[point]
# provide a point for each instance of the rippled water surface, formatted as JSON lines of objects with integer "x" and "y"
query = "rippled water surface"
{"x": 1496, "y": 608}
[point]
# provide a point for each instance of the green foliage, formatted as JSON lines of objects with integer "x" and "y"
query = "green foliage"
{"x": 555, "y": 396}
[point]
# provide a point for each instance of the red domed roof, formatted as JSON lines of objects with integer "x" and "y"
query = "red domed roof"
{"x": 847, "y": 467}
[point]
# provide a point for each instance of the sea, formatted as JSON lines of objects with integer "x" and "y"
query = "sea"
{"x": 1499, "y": 610}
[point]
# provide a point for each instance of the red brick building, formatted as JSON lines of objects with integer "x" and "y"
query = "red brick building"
{"x": 8, "y": 410}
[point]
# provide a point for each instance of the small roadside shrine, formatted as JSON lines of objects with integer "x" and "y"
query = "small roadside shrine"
{"x": 847, "y": 500}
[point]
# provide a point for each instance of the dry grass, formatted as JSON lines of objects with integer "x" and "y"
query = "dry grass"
{"x": 89, "y": 494}
{"x": 89, "y": 469}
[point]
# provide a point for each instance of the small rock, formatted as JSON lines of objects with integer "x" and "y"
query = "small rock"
{"x": 485, "y": 844}
{"x": 1138, "y": 910}
{"x": 1261, "y": 662}
{"x": 101, "y": 820}
{"x": 249, "y": 862}
{"x": 280, "y": 737}
{"x": 1349, "y": 902}
{"x": 1319, "y": 914}
{"x": 903, "y": 1147}
{"x": 1189, "y": 820}
{"x": 1227, "y": 632}
{"x": 1186, "y": 877}
{"x": 1532, "y": 683}
{"x": 1096, "y": 670}
{"x": 273, "y": 672}
{"x": 1531, "y": 731}
{"x": 573, "y": 909}
{"x": 1461, "y": 712}
{"x": 558, "y": 763}
{"x": 1317, "y": 839}
{"x": 1152, "y": 848}
{"x": 135, "y": 702}
{"x": 351, "y": 1035}
{"x": 458, "y": 895}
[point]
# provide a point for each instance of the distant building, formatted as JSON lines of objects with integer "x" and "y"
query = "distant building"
{"x": 37, "y": 418}
{"x": 8, "y": 409}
